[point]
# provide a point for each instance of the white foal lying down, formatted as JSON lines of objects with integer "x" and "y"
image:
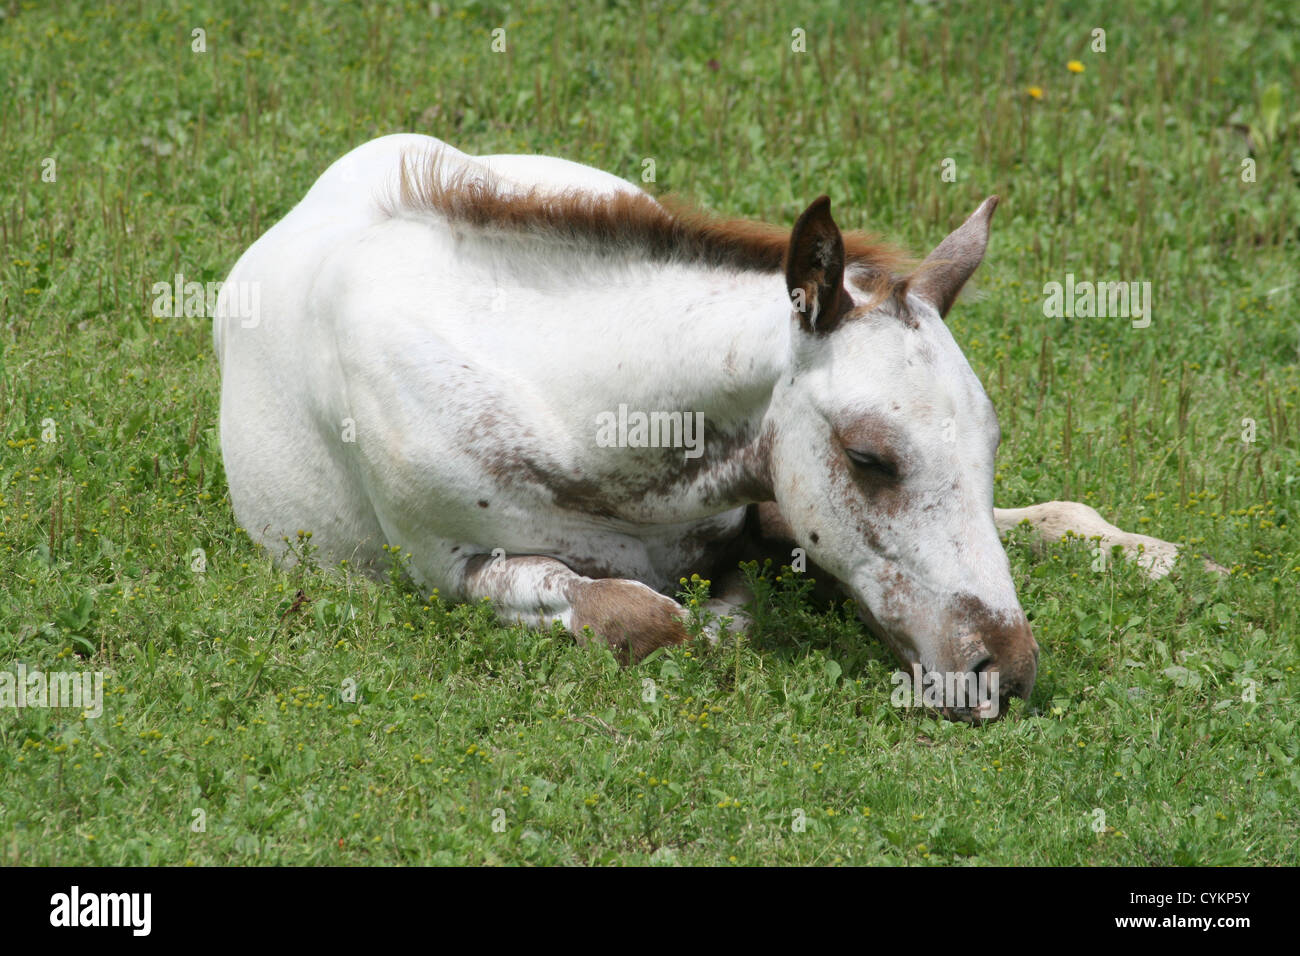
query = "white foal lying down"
{"x": 559, "y": 394}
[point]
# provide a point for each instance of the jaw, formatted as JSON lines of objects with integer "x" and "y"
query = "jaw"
{"x": 904, "y": 652}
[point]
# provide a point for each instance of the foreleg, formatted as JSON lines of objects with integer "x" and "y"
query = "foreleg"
{"x": 1051, "y": 520}
{"x": 536, "y": 591}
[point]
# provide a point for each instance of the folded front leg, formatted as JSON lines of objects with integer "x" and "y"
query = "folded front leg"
{"x": 632, "y": 618}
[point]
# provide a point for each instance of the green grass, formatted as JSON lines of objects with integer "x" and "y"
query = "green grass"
{"x": 225, "y": 693}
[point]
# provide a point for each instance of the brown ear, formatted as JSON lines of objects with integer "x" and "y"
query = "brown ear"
{"x": 944, "y": 271}
{"x": 814, "y": 267}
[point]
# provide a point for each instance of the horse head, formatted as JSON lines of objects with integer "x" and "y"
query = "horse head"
{"x": 881, "y": 458}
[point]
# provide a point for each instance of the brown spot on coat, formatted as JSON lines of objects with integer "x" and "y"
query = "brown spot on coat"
{"x": 1007, "y": 638}
{"x": 632, "y": 618}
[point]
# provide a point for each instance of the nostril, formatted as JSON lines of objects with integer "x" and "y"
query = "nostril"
{"x": 982, "y": 672}
{"x": 987, "y": 671}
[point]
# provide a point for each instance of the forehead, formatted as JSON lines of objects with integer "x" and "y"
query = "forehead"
{"x": 891, "y": 365}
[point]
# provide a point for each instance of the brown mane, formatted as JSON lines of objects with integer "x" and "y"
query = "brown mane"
{"x": 624, "y": 224}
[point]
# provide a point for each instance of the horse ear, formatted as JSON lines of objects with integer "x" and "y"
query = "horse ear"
{"x": 814, "y": 267}
{"x": 944, "y": 271}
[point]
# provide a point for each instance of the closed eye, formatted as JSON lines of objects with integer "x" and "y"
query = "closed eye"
{"x": 870, "y": 462}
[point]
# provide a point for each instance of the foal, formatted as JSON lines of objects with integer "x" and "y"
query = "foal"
{"x": 559, "y": 394}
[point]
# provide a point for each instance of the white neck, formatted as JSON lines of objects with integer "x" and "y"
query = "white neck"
{"x": 651, "y": 337}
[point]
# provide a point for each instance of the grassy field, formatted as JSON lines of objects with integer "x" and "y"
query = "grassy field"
{"x": 1163, "y": 729}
